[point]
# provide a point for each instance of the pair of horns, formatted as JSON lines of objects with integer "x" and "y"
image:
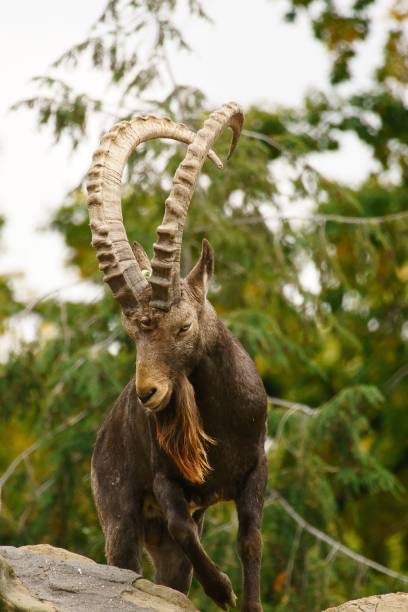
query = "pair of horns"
{"x": 116, "y": 259}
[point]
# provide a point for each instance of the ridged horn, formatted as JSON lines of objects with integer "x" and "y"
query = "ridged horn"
{"x": 165, "y": 280}
{"x": 116, "y": 259}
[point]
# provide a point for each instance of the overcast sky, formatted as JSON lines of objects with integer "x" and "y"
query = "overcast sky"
{"x": 249, "y": 55}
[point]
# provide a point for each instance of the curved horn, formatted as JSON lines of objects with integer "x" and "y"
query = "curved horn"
{"x": 165, "y": 280}
{"x": 116, "y": 259}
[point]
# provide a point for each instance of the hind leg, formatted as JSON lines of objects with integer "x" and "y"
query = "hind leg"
{"x": 172, "y": 567}
{"x": 123, "y": 543}
{"x": 120, "y": 515}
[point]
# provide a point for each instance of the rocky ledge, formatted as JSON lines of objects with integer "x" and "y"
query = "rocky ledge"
{"x": 46, "y": 579}
{"x": 391, "y": 602}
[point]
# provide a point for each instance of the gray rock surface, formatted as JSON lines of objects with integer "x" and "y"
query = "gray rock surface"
{"x": 391, "y": 602}
{"x": 43, "y": 578}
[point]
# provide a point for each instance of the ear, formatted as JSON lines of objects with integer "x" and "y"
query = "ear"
{"x": 142, "y": 259}
{"x": 199, "y": 277}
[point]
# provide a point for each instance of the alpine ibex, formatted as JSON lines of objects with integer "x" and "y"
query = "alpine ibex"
{"x": 188, "y": 431}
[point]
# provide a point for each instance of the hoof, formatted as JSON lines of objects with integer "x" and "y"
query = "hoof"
{"x": 220, "y": 591}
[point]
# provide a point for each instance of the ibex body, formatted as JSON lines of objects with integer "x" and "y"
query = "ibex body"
{"x": 189, "y": 429}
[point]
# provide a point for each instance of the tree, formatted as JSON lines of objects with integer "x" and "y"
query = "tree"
{"x": 337, "y": 470}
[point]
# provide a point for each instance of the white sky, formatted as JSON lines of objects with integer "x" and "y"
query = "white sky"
{"x": 250, "y": 55}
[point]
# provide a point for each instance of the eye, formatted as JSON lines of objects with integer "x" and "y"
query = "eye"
{"x": 146, "y": 324}
{"x": 184, "y": 328}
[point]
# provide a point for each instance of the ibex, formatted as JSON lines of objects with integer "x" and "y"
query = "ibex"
{"x": 188, "y": 430}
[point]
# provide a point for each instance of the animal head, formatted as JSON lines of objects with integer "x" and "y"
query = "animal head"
{"x": 168, "y": 317}
{"x": 170, "y": 342}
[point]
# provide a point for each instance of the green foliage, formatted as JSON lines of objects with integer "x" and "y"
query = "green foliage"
{"x": 340, "y": 347}
{"x": 339, "y": 27}
{"x": 8, "y": 304}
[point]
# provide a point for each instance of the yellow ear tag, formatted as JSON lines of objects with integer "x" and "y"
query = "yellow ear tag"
{"x": 147, "y": 273}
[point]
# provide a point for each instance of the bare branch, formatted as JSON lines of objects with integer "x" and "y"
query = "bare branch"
{"x": 317, "y": 218}
{"x": 34, "y": 447}
{"x": 291, "y": 562}
{"x": 337, "y": 546}
{"x": 31, "y": 305}
{"x": 294, "y": 406}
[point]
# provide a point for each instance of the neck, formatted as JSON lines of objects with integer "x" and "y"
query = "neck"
{"x": 210, "y": 375}
{"x": 215, "y": 330}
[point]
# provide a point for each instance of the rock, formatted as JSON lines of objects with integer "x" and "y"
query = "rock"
{"x": 392, "y": 602}
{"x": 46, "y": 579}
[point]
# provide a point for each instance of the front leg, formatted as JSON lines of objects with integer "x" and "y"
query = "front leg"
{"x": 183, "y": 530}
{"x": 249, "y": 507}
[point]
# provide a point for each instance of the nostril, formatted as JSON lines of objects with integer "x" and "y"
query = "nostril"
{"x": 144, "y": 397}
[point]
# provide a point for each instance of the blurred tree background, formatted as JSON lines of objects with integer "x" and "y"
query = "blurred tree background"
{"x": 320, "y": 300}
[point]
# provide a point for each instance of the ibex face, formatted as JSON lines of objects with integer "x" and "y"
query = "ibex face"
{"x": 168, "y": 318}
{"x": 170, "y": 343}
